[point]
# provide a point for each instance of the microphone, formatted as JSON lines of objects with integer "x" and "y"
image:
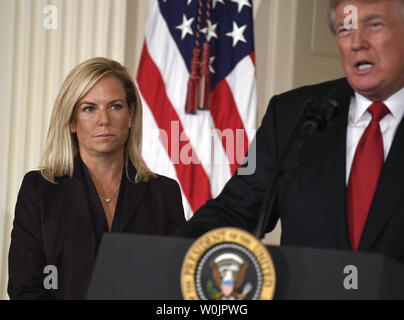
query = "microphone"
{"x": 319, "y": 115}
{"x": 315, "y": 116}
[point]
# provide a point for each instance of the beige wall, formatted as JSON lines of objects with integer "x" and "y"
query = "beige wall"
{"x": 293, "y": 47}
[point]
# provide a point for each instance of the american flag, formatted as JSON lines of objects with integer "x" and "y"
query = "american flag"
{"x": 201, "y": 149}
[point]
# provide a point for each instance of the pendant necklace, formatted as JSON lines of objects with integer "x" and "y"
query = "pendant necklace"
{"x": 108, "y": 200}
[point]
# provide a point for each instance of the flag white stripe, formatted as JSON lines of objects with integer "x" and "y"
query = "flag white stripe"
{"x": 243, "y": 87}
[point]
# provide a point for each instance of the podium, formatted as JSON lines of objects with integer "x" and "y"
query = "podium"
{"x": 137, "y": 267}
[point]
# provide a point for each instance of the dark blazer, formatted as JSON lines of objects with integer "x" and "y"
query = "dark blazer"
{"x": 53, "y": 226}
{"x": 311, "y": 200}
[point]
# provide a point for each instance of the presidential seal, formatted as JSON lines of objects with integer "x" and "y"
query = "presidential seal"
{"x": 228, "y": 264}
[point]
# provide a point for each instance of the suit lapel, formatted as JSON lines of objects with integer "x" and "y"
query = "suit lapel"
{"x": 325, "y": 154}
{"x": 77, "y": 194}
{"x": 132, "y": 197}
{"x": 332, "y": 180}
{"x": 389, "y": 191}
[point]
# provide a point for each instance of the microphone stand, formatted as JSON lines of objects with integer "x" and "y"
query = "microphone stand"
{"x": 312, "y": 118}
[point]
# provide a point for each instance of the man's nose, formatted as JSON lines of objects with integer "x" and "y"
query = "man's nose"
{"x": 359, "y": 39}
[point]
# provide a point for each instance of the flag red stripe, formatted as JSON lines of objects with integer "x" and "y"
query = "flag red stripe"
{"x": 226, "y": 116}
{"x": 252, "y": 55}
{"x": 192, "y": 177}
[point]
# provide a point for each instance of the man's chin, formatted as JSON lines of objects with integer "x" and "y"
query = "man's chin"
{"x": 368, "y": 89}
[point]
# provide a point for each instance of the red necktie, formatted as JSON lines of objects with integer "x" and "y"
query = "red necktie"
{"x": 365, "y": 173}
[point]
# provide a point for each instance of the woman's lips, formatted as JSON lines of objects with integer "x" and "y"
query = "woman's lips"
{"x": 106, "y": 135}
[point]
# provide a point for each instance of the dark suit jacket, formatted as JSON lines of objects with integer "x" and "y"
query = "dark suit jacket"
{"x": 53, "y": 226}
{"x": 311, "y": 200}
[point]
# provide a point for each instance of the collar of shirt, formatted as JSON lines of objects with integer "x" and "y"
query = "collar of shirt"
{"x": 359, "y": 112}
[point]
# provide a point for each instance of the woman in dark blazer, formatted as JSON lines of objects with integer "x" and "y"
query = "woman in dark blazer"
{"x": 91, "y": 180}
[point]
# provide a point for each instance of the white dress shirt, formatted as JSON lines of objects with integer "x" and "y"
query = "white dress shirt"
{"x": 359, "y": 118}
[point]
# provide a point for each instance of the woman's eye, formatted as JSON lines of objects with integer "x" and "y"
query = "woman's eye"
{"x": 116, "y": 107}
{"x": 88, "y": 109}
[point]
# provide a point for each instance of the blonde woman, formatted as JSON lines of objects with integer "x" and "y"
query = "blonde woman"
{"x": 91, "y": 180}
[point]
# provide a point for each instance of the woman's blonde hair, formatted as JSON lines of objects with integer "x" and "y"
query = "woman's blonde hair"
{"x": 62, "y": 146}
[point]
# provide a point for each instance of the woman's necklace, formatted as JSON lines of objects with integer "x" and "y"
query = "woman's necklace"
{"x": 108, "y": 200}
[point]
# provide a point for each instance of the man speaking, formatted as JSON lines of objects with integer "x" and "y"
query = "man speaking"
{"x": 343, "y": 187}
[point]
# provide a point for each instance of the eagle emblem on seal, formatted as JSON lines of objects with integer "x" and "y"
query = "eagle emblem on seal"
{"x": 228, "y": 272}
